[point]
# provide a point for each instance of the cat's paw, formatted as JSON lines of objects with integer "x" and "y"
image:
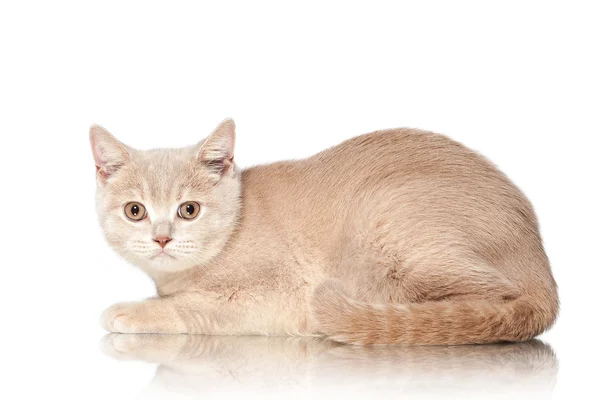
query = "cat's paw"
{"x": 121, "y": 318}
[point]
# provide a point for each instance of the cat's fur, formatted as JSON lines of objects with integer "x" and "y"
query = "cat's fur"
{"x": 396, "y": 236}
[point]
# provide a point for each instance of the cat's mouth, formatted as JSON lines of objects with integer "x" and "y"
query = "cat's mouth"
{"x": 162, "y": 254}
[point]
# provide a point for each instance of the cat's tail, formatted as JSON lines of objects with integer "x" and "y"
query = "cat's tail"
{"x": 436, "y": 322}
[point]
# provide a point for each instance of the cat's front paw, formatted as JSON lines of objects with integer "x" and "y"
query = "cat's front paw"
{"x": 121, "y": 318}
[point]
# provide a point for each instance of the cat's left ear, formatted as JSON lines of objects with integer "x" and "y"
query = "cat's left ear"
{"x": 216, "y": 151}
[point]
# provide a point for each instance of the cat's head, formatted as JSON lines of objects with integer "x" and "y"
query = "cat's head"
{"x": 167, "y": 210}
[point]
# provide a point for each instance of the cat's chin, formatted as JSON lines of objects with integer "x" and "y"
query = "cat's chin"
{"x": 165, "y": 263}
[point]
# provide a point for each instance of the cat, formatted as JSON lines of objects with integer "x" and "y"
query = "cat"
{"x": 395, "y": 236}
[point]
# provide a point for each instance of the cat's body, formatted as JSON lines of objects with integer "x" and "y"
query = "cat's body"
{"x": 397, "y": 236}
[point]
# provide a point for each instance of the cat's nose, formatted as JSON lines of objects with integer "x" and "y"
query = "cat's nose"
{"x": 162, "y": 240}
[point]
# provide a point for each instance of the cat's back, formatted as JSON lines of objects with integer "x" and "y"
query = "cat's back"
{"x": 383, "y": 159}
{"x": 410, "y": 151}
{"x": 421, "y": 167}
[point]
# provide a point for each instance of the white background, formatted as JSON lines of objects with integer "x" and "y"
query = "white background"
{"x": 517, "y": 81}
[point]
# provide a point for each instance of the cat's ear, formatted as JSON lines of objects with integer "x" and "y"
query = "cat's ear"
{"x": 109, "y": 153}
{"x": 216, "y": 151}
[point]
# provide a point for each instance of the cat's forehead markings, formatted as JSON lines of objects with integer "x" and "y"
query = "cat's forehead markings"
{"x": 162, "y": 185}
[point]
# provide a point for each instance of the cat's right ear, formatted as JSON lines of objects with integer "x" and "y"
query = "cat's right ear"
{"x": 109, "y": 153}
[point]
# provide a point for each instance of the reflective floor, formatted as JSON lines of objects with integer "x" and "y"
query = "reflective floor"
{"x": 192, "y": 365}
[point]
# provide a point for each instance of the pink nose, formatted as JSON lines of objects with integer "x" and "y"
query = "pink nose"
{"x": 162, "y": 240}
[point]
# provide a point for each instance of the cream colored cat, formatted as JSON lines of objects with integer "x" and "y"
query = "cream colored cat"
{"x": 396, "y": 236}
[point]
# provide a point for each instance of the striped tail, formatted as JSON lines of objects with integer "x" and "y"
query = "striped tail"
{"x": 430, "y": 323}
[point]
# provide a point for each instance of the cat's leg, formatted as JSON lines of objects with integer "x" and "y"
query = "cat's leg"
{"x": 458, "y": 281}
{"x": 156, "y": 315}
{"x": 233, "y": 311}
{"x": 444, "y": 278}
{"x": 386, "y": 271}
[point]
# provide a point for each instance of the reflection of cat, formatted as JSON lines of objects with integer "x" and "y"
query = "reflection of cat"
{"x": 397, "y": 236}
{"x": 207, "y": 363}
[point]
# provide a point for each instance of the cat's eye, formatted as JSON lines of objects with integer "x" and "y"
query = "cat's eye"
{"x": 189, "y": 210}
{"x": 135, "y": 211}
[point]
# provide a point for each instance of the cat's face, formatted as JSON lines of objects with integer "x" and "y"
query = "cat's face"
{"x": 169, "y": 209}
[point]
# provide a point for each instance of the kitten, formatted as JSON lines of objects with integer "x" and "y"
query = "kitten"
{"x": 396, "y": 236}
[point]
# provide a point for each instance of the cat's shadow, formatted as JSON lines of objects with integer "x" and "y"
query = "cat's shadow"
{"x": 254, "y": 363}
